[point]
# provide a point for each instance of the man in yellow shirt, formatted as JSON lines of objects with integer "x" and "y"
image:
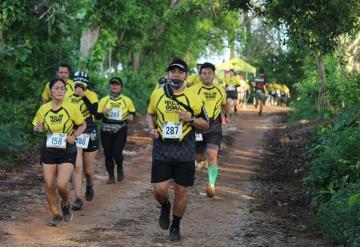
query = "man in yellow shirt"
{"x": 209, "y": 141}
{"x": 62, "y": 72}
{"x": 174, "y": 112}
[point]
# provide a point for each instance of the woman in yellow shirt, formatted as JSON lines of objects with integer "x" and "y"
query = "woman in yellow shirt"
{"x": 87, "y": 143}
{"x": 115, "y": 110}
{"x": 58, "y": 118}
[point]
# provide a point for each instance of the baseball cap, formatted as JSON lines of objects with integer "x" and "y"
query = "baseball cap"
{"x": 178, "y": 63}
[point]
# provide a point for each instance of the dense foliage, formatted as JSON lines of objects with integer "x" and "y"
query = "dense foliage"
{"x": 135, "y": 40}
{"x": 333, "y": 153}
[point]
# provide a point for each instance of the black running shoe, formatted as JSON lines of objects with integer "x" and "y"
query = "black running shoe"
{"x": 174, "y": 233}
{"x": 56, "y": 220}
{"x": 89, "y": 194}
{"x": 120, "y": 175}
{"x": 111, "y": 180}
{"x": 164, "y": 219}
{"x": 67, "y": 214}
{"x": 77, "y": 204}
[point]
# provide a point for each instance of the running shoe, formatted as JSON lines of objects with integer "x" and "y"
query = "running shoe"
{"x": 120, "y": 175}
{"x": 89, "y": 194}
{"x": 56, "y": 220}
{"x": 111, "y": 180}
{"x": 67, "y": 214}
{"x": 210, "y": 192}
{"x": 174, "y": 233}
{"x": 77, "y": 204}
{"x": 202, "y": 165}
{"x": 164, "y": 219}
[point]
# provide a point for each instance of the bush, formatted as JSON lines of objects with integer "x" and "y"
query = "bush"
{"x": 340, "y": 216}
{"x": 16, "y": 127}
{"x": 334, "y": 158}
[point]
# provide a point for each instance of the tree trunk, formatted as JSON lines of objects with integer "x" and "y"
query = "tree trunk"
{"x": 247, "y": 24}
{"x": 232, "y": 47}
{"x": 136, "y": 61}
{"x": 2, "y": 39}
{"x": 279, "y": 42}
{"x": 322, "y": 77}
{"x": 110, "y": 59}
{"x": 88, "y": 39}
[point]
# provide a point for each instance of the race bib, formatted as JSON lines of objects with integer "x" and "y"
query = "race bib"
{"x": 56, "y": 140}
{"x": 172, "y": 130}
{"x": 198, "y": 137}
{"x": 259, "y": 91}
{"x": 231, "y": 88}
{"x": 115, "y": 114}
{"x": 82, "y": 141}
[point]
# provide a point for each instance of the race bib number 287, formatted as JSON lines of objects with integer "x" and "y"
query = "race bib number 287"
{"x": 172, "y": 130}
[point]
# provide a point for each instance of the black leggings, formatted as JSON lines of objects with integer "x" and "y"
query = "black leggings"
{"x": 113, "y": 144}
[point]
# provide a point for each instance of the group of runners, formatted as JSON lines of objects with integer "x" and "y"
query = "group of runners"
{"x": 184, "y": 122}
{"x": 68, "y": 117}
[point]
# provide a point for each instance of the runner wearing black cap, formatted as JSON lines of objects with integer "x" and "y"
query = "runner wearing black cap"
{"x": 88, "y": 142}
{"x": 115, "y": 110}
{"x": 174, "y": 112}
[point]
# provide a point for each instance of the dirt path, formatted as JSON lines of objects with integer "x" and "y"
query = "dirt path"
{"x": 125, "y": 214}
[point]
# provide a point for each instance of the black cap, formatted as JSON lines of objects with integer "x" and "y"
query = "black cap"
{"x": 116, "y": 80}
{"x": 178, "y": 63}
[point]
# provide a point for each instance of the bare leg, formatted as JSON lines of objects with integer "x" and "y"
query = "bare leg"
{"x": 49, "y": 172}
{"x": 180, "y": 200}
{"x": 89, "y": 158}
{"x": 78, "y": 173}
{"x": 64, "y": 174}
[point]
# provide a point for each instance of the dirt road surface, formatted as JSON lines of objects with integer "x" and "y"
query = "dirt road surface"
{"x": 126, "y": 214}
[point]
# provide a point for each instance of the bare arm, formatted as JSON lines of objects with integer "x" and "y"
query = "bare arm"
{"x": 71, "y": 138}
{"x": 150, "y": 120}
{"x": 200, "y": 122}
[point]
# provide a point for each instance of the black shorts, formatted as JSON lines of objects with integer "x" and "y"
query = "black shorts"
{"x": 93, "y": 142}
{"x": 183, "y": 172}
{"x": 231, "y": 94}
{"x": 58, "y": 156}
{"x": 209, "y": 139}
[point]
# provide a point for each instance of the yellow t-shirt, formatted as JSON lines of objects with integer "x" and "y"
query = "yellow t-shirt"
{"x": 165, "y": 109}
{"x": 119, "y": 108}
{"x": 193, "y": 80}
{"x": 213, "y": 97}
{"x": 270, "y": 87}
{"x": 286, "y": 90}
{"x": 277, "y": 87}
{"x": 231, "y": 83}
{"x": 61, "y": 120}
{"x": 69, "y": 86}
{"x": 78, "y": 102}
